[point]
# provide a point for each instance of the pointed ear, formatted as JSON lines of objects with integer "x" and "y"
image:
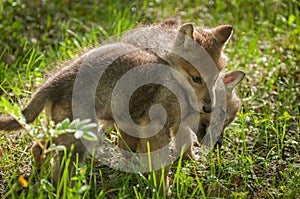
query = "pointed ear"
{"x": 232, "y": 78}
{"x": 185, "y": 35}
{"x": 187, "y": 29}
{"x": 223, "y": 33}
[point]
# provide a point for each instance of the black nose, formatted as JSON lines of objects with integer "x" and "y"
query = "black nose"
{"x": 208, "y": 108}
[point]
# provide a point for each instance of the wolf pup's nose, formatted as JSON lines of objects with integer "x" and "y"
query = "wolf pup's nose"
{"x": 208, "y": 108}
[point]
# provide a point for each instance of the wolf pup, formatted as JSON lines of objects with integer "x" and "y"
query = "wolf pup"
{"x": 94, "y": 99}
{"x": 233, "y": 103}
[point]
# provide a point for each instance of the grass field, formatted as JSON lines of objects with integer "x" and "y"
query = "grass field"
{"x": 261, "y": 153}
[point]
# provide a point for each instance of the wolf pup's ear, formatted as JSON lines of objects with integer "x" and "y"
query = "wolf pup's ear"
{"x": 187, "y": 29}
{"x": 223, "y": 33}
{"x": 186, "y": 35}
{"x": 232, "y": 78}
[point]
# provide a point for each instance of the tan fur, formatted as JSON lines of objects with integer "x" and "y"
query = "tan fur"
{"x": 55, "y": 95}
{"x": 212, "y": 39}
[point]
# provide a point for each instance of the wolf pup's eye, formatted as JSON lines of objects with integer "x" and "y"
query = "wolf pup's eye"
{"x": 222, "y": 114}
{"x": 197, "y": 79}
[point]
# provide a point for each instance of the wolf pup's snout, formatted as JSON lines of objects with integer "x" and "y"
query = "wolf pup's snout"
{"x": 208, "y": 106}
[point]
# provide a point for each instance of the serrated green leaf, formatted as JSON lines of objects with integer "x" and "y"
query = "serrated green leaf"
{"x": 82, "y": 123}
{"x": 74, "y": 123}
{"x": 65, "y": 123}
{"x": 70, "y": 131}
{"x": 88, "y": 135}
{"x": 78, "y": 134}
{"x": 88, "y": 126}
{"x": 58, "y": 126}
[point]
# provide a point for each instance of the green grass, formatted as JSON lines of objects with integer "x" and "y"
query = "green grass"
{"x": 260, "y": 157}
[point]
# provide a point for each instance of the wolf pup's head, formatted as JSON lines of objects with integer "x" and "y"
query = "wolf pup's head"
{"x": 230, "y": 79}
{"x": 197, "y": 55}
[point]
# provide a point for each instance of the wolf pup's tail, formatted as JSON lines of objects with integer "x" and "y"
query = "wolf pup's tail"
{"x": 30, "y": 112}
